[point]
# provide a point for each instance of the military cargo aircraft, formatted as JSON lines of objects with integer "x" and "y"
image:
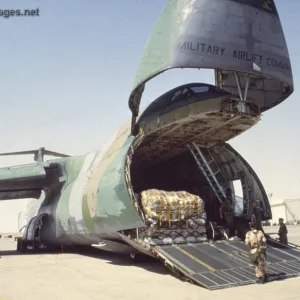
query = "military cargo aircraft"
{"x": 178, "y": 143}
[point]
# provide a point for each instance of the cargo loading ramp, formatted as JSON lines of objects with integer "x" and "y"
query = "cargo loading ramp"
{"x": 226, "y": 264}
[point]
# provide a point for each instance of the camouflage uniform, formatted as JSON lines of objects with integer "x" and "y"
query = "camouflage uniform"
{"x": 256, "y": 239}
{"x": 257, "y": 215}
{"x": 226, "y": 213}
{"x": 282, "y": 232}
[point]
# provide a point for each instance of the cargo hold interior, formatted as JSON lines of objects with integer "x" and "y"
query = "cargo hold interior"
{"x": 180, "y": 172}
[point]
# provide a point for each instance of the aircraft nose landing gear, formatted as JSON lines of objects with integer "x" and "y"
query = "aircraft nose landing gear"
{"x": 21, "y": 245}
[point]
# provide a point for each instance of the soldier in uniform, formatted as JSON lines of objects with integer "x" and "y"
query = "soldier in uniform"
{"x": 256, "y": 213}
{"x": 226, "y": 214}
{"x": 282, "y": 232}
{"x": 256, "y": 240}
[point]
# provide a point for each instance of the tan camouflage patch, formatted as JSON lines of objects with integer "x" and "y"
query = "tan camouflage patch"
{"x": 91, "y": 187}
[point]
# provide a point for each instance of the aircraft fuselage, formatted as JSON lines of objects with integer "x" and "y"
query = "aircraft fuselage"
{"x": 96, "y": 196}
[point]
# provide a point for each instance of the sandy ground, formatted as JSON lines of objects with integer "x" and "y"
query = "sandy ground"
{"x": 107, "y": 276}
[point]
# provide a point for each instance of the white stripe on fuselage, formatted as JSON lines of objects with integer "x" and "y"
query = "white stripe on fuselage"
{"x": 91, "y": 161}
{"x": 101, "y": 153}
{"x": 75, "y": 202}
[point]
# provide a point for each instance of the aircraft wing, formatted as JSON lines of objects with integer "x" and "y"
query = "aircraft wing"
{"x": 27, "y": 181}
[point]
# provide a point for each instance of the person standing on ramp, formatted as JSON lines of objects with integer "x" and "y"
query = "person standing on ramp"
{"x": 257, "y": 212}
{"x": 282, "y": 232}
{"x": 227, "y": 215}
{"x": 256, "y": 240}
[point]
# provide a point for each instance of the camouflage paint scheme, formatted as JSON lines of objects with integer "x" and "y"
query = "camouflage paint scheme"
{"x": 93, "y": 201}
{"x": 87, "y": 196}
{"x": 96, "y": 197}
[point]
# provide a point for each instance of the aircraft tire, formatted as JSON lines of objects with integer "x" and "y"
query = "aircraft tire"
{"x": 35, "y": 246}
{"x": 23, "y": 246}
{"x": 18, "y": 245}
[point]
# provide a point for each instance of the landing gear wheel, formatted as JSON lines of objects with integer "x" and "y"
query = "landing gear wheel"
{"x": 36, "y": 246}
{"x": 138, "y": 257}
{"x": 18, "y": 245}
{"x": 22, "y": 246}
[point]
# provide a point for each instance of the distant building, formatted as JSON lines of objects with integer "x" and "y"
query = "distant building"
{"x": 288, "y": 209}
{"x": 7, "y": 235}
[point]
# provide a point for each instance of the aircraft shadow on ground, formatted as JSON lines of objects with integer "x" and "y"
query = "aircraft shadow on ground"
{"x": 148, "y": 263}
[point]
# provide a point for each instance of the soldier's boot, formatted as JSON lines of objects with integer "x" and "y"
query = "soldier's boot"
{"x": 260, "y": 280}
{"x": 266, "y": 277}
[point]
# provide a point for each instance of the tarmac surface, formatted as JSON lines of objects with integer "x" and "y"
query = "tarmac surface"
{"x": 102, "y": 275}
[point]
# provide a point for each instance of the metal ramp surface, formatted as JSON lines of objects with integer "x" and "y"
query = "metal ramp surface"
{"x": 226, "y": 264}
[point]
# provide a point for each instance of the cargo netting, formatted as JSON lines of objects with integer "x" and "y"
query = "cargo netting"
{"x": 172, "y": 217}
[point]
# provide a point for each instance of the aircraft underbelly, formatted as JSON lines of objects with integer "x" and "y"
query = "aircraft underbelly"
{"x": 226, "y": 264}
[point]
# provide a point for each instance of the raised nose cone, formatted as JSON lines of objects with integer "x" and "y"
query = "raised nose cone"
{"x": 242, "y": 40}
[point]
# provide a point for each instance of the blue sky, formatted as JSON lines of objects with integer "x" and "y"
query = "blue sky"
{"x": 67, "y": 74}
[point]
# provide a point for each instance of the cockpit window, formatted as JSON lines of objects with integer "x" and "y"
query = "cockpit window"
{"x": 199, "y": 89}
{"x": 176, "y": 95}
{"x": 181, "y": 94}
{"x": 186, "y": 91}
